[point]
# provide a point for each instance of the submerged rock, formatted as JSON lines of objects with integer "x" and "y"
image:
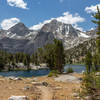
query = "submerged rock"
{"x": 18, "y": 98}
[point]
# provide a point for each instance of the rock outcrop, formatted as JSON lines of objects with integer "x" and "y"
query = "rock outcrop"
{"x": 18, "y": 98}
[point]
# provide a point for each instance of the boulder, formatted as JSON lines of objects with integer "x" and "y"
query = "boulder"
{"x": 67, "y": 78}
{"x": 26, "y": 88}
{"x": 14, "y": 78}
{"x": 97, "y": 74}
{"x": 89, "y": 98}
{"x": 75, "y": 94}
{"x": 57, "y": 88}
{"x": 80, "y": 78}
{"x": 83, "y": 71}
{"x": 45, "y": 84}
{"x": 35, "y": 80}
{"x": 18, "y": 98}
{"x": 36, "y": 83}
{"x": 18, "y": 78}
{"x": 11, "y": 78}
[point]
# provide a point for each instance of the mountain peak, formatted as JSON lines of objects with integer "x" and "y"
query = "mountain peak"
{"x": 20, "y": 24}
{"x": 20, "y": 29}
{"x": 54, "y": 21}
{"x": 60, "y": 29}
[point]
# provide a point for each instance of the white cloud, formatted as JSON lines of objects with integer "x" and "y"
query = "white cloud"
{"x": 8, "y": 23}
{"x": 65, "y": 18}
{"x": 77, "y": 27}
{"x": 17, "y": 3}
{"x": 70, "y": 19}
{"x": 92, "y": 8}
{"x": 36, "y": 27}
{"x": 40, "y": 25}
{"x": 91, "y": 28}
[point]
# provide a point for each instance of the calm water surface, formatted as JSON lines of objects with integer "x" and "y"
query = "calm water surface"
{"x": 41, "y": 72}
{"x": 30, "y": 73}
{"x": 76, "y": 68}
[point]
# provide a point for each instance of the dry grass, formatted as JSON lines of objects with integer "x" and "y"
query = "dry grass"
{"x": 61, "y": 91}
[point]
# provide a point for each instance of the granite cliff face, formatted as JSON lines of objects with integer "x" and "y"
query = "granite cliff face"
{"x": 21, "y": 39}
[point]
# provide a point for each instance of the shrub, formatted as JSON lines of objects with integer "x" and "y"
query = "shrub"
{"x": 53, "y": 73}
{"x": 69, "y": 70}
{"x": 90, "y": 84}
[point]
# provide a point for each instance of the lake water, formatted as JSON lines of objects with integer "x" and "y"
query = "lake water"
{"x": 76, "y": 68}
{"x": 41, "y": 72}
{"x": 30, "y": 73}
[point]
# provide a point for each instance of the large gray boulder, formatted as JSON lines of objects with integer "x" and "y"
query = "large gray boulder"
{"x": 67, "y": 78}
{"x": 18, "y": 98}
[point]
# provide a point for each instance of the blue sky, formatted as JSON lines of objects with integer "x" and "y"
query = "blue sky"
{"x": 33, "y": 12}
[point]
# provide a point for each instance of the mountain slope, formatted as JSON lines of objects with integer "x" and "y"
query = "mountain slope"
{"x": 78, "y": 53}
{"x": 20, "y": 39}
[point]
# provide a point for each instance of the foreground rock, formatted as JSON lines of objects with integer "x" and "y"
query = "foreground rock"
{"x": 67, "y": 78}
{"x": 18, "y": 98}
{"x": 14, "y": 78}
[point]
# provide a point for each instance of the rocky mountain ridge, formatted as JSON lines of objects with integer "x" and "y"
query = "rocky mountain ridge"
{"x": 21, "y": 39}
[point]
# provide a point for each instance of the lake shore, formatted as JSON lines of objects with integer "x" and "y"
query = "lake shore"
{"x": 40, "y": 71}
{"x": 34, "y": 88}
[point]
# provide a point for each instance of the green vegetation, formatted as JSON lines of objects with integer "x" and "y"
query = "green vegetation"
{"x": 26, "y": 61}
{"x": 53, "y": 73}
{"x": 91, "y": 79}
{"x": 51, "y": 54}
{"x": 88, "y": 61}
{"x": 69, "y": 70}
{"x": 9, "y": 61}
{"x": 1, "y": 63}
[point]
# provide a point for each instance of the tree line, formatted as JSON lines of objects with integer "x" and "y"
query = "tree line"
{"x": 51, "y": 54}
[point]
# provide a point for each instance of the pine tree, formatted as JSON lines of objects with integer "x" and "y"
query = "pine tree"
{"x": 97, "y": 21}
{"x": 49, "y": 55}
{"x": 1, "y": 63}
{"x": 32, "y": 59}
{"x": 95, "y": 62}
{"x": 59, "y": 56}
{"x": 40, "y": 55}
{"x": 26, "y": 61}
{"x": 36, "y": 59}
{"x": 88, "y": 61}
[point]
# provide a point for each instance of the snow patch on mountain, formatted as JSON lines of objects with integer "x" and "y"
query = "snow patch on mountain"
{"x": 13, "y": 35}
{"x": 83, "y": 35}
